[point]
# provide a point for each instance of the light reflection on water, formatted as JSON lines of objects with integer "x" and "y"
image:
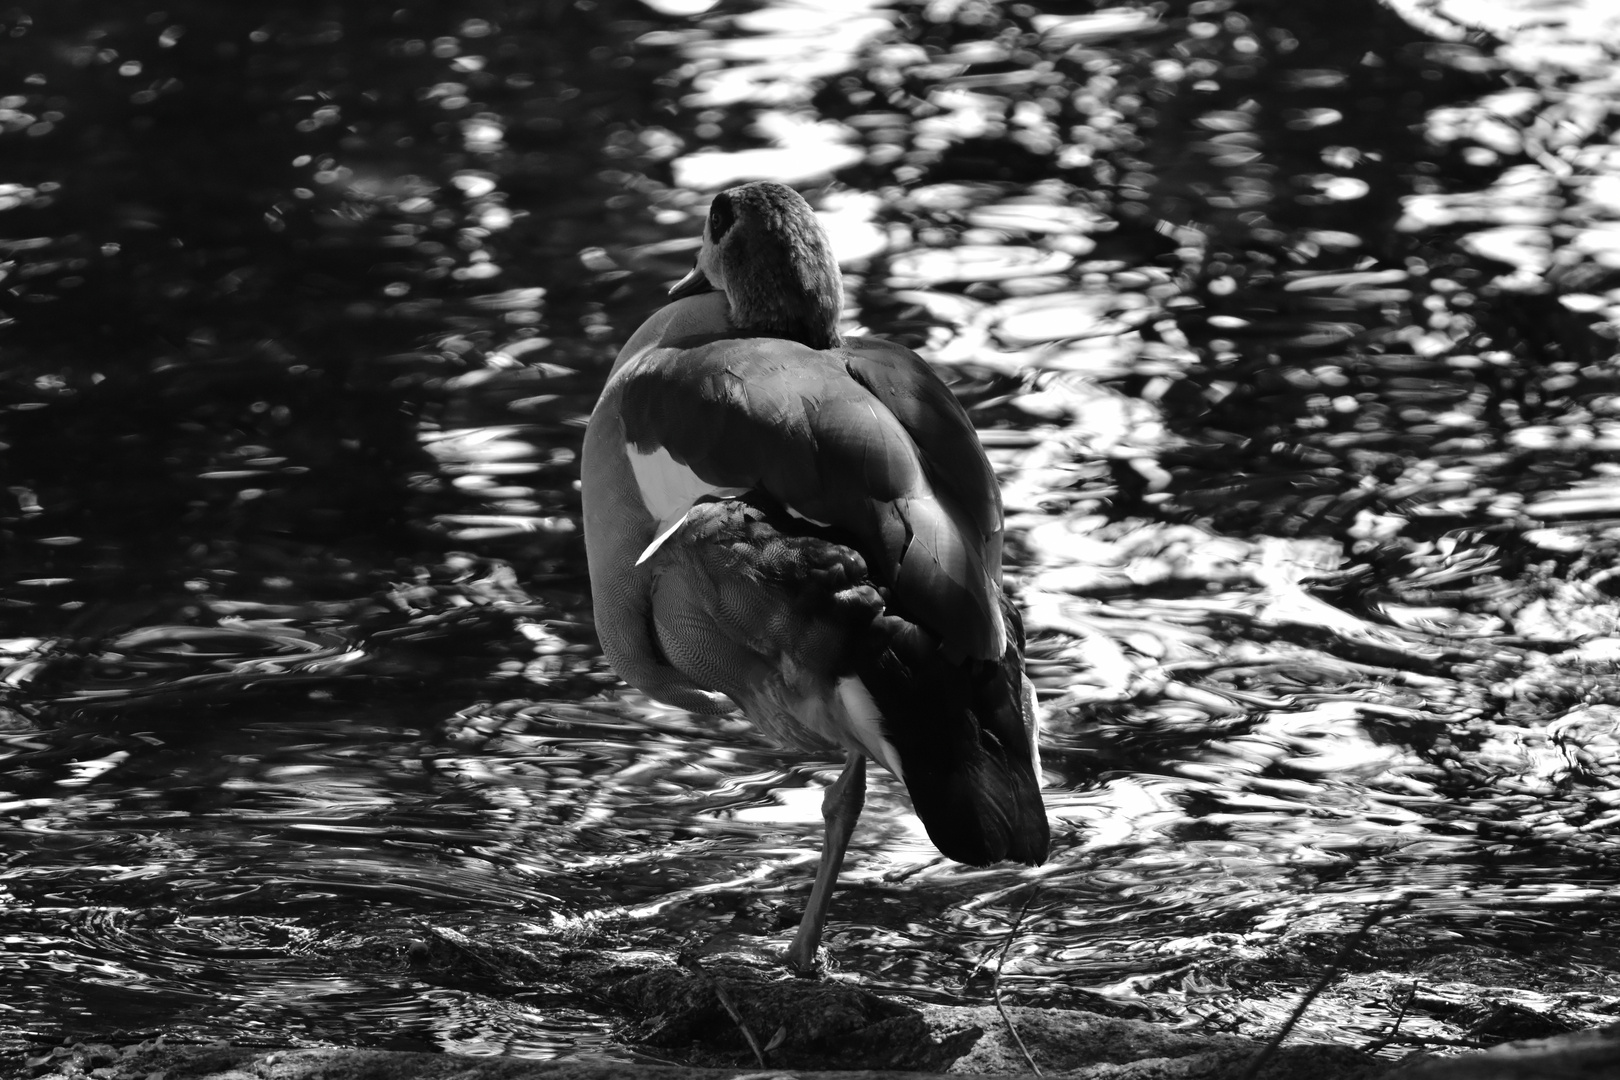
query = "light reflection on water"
{"x": 346, "y": 836}
{"x": 1299, "y": 616}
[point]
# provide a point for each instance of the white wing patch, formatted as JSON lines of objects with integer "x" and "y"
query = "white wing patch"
{"x": 806, "y": 517}
{"x": 668, "y": 488}
{"x": 866, "y": 723}
{"x": 658, "y": 541}
{"x": 1032, "y": 724}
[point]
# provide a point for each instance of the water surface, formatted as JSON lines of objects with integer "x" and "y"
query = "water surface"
{"x": 1291, "y": 334}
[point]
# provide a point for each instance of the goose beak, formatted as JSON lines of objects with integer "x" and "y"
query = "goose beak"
{"x": 692, "y": 284}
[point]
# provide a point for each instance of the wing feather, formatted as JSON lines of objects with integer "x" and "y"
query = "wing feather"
{"x": 869, "y": 441}
{"x": 936, "y": 421}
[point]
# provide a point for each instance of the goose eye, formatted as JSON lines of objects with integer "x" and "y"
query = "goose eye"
{"x": 721, "y": 217}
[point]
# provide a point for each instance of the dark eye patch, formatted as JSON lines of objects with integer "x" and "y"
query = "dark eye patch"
{"x": 722, "y": 216}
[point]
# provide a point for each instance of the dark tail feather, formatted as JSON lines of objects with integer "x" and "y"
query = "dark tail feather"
{"x": 960, "y": 730}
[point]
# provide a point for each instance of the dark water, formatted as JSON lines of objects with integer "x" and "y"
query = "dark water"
{"x": 1291, "y": 328}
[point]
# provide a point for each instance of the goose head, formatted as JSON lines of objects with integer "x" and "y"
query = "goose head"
{"x": 764, "y": 249}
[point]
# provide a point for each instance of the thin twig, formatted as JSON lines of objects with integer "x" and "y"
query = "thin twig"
{"x": 1395, "y": 1030}
{"x": 1335, "y": 965}
{"x": 995, "y": 981}
{"x": 691, "y": 964}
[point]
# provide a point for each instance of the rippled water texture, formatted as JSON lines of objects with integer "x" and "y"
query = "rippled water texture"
{"x": 1290, "y": 328}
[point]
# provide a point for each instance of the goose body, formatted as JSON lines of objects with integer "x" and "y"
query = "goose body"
{"x": 806, "y": 528}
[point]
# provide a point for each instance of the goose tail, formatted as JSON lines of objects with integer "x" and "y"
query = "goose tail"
{"x": 966, "y": 736}
{"x": 781, "y": 617}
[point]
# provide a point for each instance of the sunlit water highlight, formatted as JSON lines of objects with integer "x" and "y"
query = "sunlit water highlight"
{"x": 1301, "y": 520}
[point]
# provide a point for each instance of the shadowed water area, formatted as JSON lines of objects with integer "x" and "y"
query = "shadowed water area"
{"x": 1289, "y": 327}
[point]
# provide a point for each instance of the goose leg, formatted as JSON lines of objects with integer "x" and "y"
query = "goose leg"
{"x": 841, "y": 807}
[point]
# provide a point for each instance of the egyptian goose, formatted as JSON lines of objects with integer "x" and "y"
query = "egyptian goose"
{"x": 806, "y": 527}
